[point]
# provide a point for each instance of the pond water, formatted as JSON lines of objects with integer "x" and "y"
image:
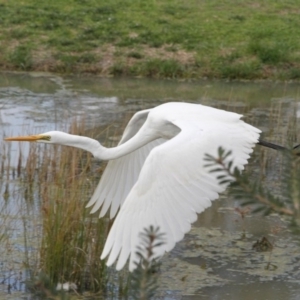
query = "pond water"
{"x": 216, "y": 259}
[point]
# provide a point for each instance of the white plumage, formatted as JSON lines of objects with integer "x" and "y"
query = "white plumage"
{"x": 156, "y": 175}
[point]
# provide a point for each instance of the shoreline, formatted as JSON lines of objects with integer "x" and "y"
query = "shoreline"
{"x": 155, "y": 69}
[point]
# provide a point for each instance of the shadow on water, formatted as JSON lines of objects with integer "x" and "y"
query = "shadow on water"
{"x": 216, "y": 259}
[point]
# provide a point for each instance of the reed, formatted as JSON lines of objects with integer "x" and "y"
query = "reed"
{"x": 72, "y": 240}
{"x": 16, "y": 241}
{"x": 53, "y": 185}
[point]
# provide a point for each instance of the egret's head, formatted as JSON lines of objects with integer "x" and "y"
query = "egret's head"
{"x": 51, "y": 137}
{"x": 62, "y": 138}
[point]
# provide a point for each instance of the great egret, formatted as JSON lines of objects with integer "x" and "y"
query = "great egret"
{"x": 156, "y": 175}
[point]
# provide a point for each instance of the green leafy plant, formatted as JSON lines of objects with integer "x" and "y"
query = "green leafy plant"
{"x": 144, "y": 277}
{"x": 254, "y": 193}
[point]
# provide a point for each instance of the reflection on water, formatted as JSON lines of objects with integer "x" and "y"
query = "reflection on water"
{"x": 215, "y": 260}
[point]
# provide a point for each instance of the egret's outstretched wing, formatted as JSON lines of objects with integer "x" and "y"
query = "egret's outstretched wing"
{"x": 121, "y": 174}
{"x": 174, "y": 185}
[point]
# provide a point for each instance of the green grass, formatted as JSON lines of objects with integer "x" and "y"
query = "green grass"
{"x": 21, "y": 57}
{"x": 261, "y": 37}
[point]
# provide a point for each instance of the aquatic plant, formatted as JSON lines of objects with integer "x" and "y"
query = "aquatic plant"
{"x": 254, "y": 193}
{"x": 72, "y": 240}
{"x": 62, "y": 240}
{"x": 143, "y": 282}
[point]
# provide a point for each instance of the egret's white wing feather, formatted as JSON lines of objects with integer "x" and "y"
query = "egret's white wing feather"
{"x": 121, "y": 174}
{"x": 174, "y": 185}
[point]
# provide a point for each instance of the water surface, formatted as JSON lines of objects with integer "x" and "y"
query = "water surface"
{"x": 216, "y": 259}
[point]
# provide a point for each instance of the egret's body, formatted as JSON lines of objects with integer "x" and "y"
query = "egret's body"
{"x": 157, "y": 174}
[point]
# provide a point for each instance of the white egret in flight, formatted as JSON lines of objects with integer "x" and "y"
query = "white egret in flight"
{"x": 156, "y": 175}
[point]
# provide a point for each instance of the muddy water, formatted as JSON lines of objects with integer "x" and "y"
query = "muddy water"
{"x": 216, "y": 259}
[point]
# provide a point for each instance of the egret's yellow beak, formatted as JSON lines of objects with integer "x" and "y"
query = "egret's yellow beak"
{"x": 28, "y": 138}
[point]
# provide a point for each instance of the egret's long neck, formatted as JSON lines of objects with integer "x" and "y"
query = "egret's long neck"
{"x": 103, "y": 153}
{"x": 81, "y": 142}
{"x": 137, "y": 141}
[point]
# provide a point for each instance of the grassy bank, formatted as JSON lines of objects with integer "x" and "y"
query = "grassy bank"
{"x": 175, "y": 39}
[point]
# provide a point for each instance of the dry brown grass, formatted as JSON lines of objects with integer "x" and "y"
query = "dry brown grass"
{"x": 50, "y": 189}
